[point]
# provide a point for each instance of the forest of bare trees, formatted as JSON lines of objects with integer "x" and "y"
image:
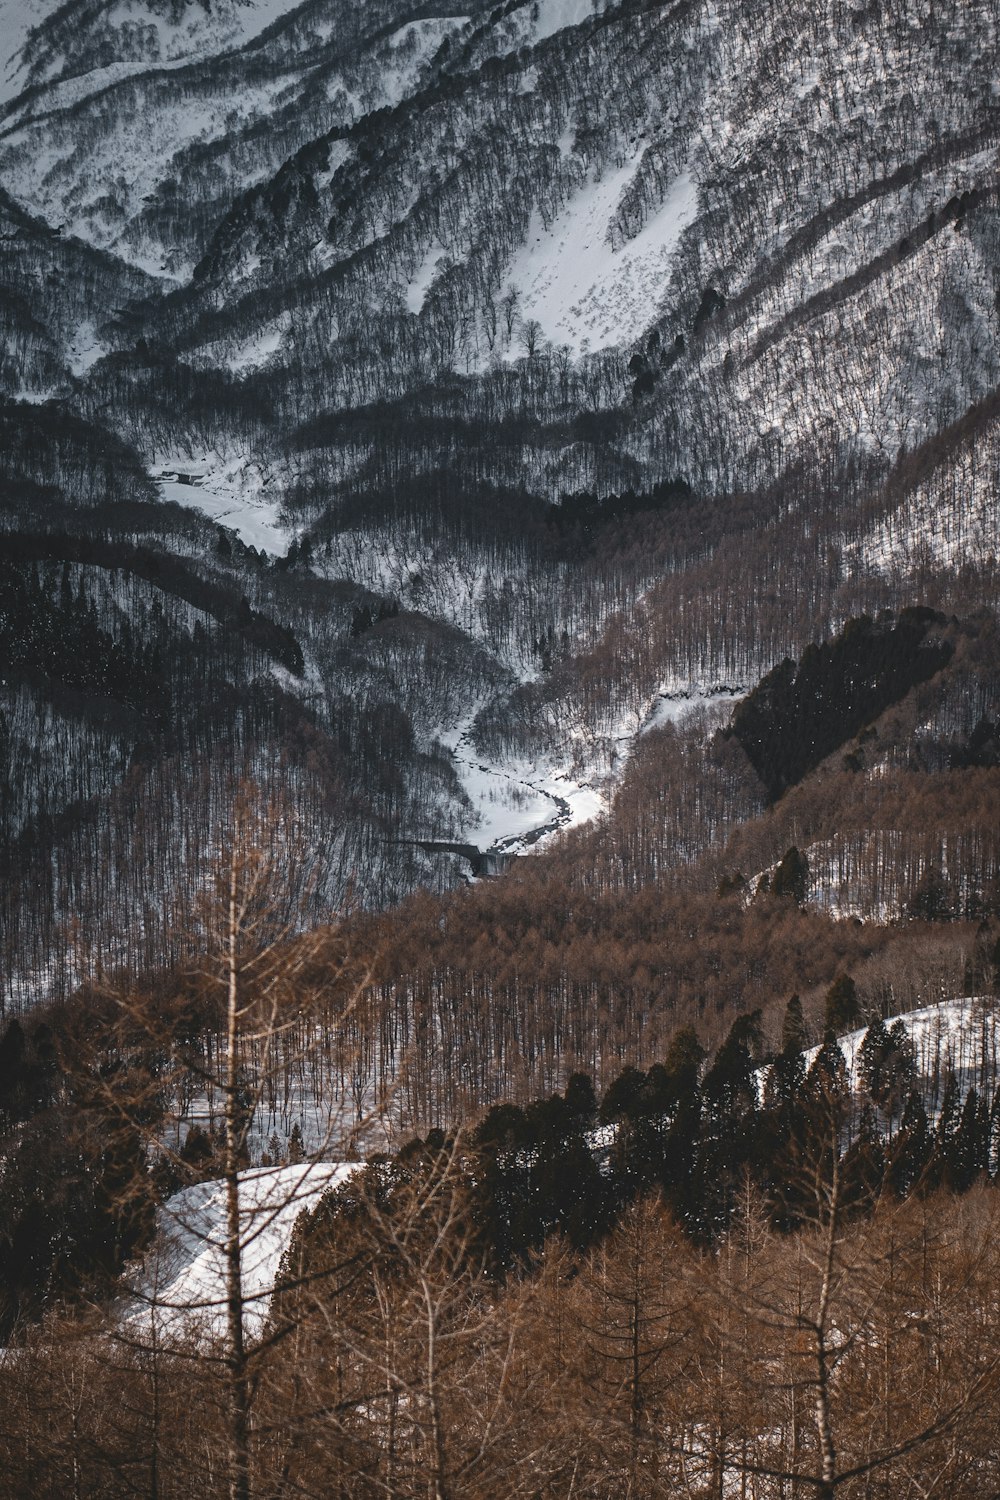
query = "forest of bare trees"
{"x": 855, "y": 1357}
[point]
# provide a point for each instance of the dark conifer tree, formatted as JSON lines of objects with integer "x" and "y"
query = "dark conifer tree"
{"x": 910, "y": 1154}
{"x": 843, "y": 1010}
{"x": 873, "y": 1056}
{"x": 13, "y": 1081}
{"x": 968, "y": 1147}
{"x": 581, "y": 1100}
{"x": 864, "y": 1165}
{"x": 793, "y": 1027}
{"x": 729, "y": 1120}
{"x": 791, "y": 878}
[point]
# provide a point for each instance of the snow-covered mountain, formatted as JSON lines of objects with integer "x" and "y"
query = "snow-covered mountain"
{"x": 485, "y": 372}
{"x": 135, "y": 126}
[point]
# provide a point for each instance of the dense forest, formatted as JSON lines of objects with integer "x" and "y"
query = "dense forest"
{"x": 753, "y": 1273}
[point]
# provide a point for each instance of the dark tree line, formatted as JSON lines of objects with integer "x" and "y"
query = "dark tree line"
{"x": 798, "y": 715}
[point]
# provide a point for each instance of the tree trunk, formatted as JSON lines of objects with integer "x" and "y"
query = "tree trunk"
{"x": 824, "y": 1424}
{"x": 439, "y": 1476}
{"x": 239, "y": 1382}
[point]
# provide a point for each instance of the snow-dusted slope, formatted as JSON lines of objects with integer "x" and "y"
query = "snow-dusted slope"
{"x": 960, "y": 1036}
{"x": 17, "y": 18}
{"x": 584, "y": 292}
{"x": 633, "y": 186}
{"x": 607, "y": 165}
{"x": 140, "y": 124}
{"x": 182, "y": 1283}
{"x": 106, "y": 42}
{"x": 950, "y": 517}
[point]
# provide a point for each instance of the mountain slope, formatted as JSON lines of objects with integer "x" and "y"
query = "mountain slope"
{"x": 524, "y": 364}
{"x": 220, "y": 97}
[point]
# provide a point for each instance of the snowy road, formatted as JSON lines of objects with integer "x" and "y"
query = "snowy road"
{"x": 182, "y": 1284}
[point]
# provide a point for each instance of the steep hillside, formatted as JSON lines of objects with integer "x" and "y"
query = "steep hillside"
{"x": 483, "y": 381}
{"x": 221, "y": 96}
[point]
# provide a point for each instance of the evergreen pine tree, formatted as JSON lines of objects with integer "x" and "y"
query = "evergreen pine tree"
{"x": 911, "y": 1147}
{"x": 793, "y": 1027}
{"x": 873, "y": 1055}
{"x": 968, "y": 1153}
{"x": 864, "y": 1165}
{"x": 843, "y": 1009}
{"x": 791, "y": 878}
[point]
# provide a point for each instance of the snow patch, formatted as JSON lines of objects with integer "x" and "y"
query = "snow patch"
{"x": 253, "y": 353}
{"x": 182, "y": 1283}
{"x": 85, "y": 350}
{"x": 567, "y": 141}
{"x": 236, "y": 492}
{"x": 673, "y": 707}
{"x": 555, "y": 15}
{"x": 34, "y": 398}
{"x": 581, "y": 291}
{"x": 426, "y": 33}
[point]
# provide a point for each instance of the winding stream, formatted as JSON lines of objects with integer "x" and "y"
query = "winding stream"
{"x": 522, "y": 805}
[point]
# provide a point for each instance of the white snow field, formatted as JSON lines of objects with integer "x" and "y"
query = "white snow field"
{"x": 581, "y": 291}
{"x": 522, "y": 803}
{"x": 233, "y": 491}
{"x": 553, "y": 15}
{"x": 960, "y": 1036}
{"x": 181, "y": 1286}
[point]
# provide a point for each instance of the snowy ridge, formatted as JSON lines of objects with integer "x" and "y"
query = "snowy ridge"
{"x": 182, "y": 1284}
{"x": 17, "y": 18}
{"x": 960, "y": 1036}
